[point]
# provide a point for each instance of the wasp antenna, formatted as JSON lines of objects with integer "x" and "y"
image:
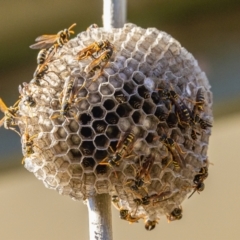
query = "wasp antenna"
{"x": 73, "y": 25}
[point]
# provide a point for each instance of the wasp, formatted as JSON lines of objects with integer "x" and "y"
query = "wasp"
{"x": 10, "y": 115}
{"x": 150, "y": 225}
{"x": 155, "y": 198}
{"x": 199, "y": 187}
{"x": 28, "y": 144}
{"x": 194, "y": 134}
{"x": 175, "y": 150}
{"x": 204, "y": 124}
{"x": 99, "y": 63}
{"x": 200, "y": 100}
{"x": 92, "y": 26}
{"x": 143, "y": 173}
{"x": 201, "y": 176}
{"x": 26, "y": 96}
{"x": 93, "y": 48}
{"x": 41, "y": 70}
{"x": 69, "y": 96}
{"x": 198, "y": 180}
{"x": 176, "y": 214}
{"x": 182, "y": 111}
{"x": 59, "y": 39}
{"x": 125, "y": 215}
{"x": 115, "y": 201}
{"x": 123, "y": 150}
{"x": 44, "y": 54}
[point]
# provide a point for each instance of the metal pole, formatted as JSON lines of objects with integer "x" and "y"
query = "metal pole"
{"x": 100, "y": 217}
{"x": 114, "y": 13}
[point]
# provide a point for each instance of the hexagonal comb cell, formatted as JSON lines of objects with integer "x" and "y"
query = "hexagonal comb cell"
{"x": 102, "y": 170}
{"x": 129, "y": 87}
{"x": 120, "y": 97}
{"x": 144, "y": 92}
{"x": 73, "y": 140}
{"x": 88, "y": 163}
{"x": 102, "y": 186}
{"x": 100, "y": 155}
{"x": 60, "y": 134}
{"x": 106, "y": 89}
{"x": 172, "y": 120}
{"x": 135, "y": 102}
{"x": 155, "y": 98}
{"x": 115, "y": 81}
{"x": 99, "y": 126}
{"x": 112, "y": 118}
{"x": 62, "y": 178}
{"x": 150, "y": 122}
{"x": 72, "y": 126}
{"x": 148, "y": 107}
{"x": 98, "y": 112}
{"x": 61, "y": 163}
{"x": 85, "y": 119}
{"x": 74, "y": 155}
{"x": 86, "y": 132}
{"x": 150, "y": 137}
{"x": 138, "y": 78}
{"x": 123, "y": 110}
{"x": 109, "y": 104}
{"x": 94, "y": 98}
{"x": 113, "y": 132}
{"x": 101, "y": 141}
{"x": 61, "y": 147}
{"x": 87, "y": 147}
{"x": 161, "y": 113}
{"x": 138, "y": 117}
{"x": 75, "y": 170}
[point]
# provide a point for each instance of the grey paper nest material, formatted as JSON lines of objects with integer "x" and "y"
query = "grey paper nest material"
{"x": 125, "y": 99}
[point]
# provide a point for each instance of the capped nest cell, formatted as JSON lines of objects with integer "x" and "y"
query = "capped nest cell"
{"x": 137, "y": 126}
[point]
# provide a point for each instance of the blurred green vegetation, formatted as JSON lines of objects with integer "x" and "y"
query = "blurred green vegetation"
{"x": 210, "y": 30}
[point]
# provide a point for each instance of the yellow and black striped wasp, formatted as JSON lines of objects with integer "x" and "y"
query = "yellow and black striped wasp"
{"x": 28, "y": 144}
{"x": 150, "y": 224}
{"x": 182, "y": 111}
{"x": 68, "y": 96}
{"x": 93, "y": 50}
{"x": 124, "y": 213}
{"x": 176, "y": 214}
{"x": 50, "y": 43}
{"x": 175, "y": 150}
{"x": 46, "y": 41}
{"x": 10, "y": 115}
{"x": 143, "y": 174}
{"x": 198, "y": 180}
{"x": 123, "y": 150}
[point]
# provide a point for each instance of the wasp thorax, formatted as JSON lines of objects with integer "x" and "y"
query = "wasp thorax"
{"x": 125, "y": 112}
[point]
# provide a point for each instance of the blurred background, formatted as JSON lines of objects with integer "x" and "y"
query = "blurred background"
{"x": 210, "y": 30}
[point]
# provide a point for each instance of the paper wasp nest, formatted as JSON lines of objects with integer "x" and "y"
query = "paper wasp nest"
{"x": 130, "y": 98}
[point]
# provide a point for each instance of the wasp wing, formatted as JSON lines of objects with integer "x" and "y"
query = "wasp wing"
{"x": 3, "y": 107}
{"x": 46, "y": 37}
{"x": 45, "y": 43}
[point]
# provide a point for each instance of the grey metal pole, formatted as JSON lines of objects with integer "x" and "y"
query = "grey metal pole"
{"x": 114, "y": 13}
{"x": 99, "y": 206}
{"x": 100, "y": 217}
